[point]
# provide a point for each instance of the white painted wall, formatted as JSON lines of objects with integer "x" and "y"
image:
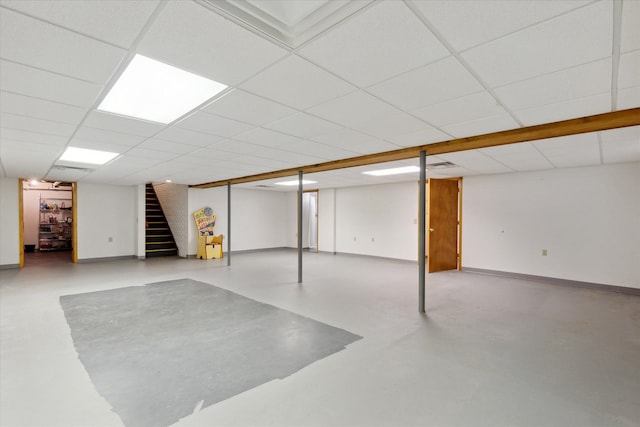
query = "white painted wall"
{"x": 258, "y": 217}
{"x": 384, "y": 213}
{"x": 587, "y": 218}
{"x": 9, "y": 222}
{"x": 106, "y": 211}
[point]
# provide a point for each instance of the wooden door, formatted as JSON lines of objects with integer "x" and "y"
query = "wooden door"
{"x": 442, "y": 224}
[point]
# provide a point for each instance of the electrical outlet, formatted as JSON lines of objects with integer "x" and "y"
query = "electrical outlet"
{"x": 544, "y": 252}
{"x": 110, "y": 239}
{"x": 373, "y": 239}
{"x": 415, "y": 220}
{"x": 354, "y": 238}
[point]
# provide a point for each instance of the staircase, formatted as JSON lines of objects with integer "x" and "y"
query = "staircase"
{"x": 159, "y": 240}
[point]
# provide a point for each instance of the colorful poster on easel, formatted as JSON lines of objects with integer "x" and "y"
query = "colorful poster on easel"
{"x": 205, "y": 220}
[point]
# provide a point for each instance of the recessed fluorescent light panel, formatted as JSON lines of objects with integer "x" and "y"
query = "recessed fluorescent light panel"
{"x": 393, "y": 171}
{"x": 152, "y": 90}
{"x": 84, "y": 155}
{"x": 304, "y": 182}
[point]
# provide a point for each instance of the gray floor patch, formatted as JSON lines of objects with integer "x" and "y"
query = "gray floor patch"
{"x": 157, "y": 352}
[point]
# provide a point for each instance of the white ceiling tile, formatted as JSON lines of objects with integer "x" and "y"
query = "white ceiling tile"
{"x": 572, "y": 109}
{"x": 353, "y": 109}
{"x": 150, "y": 155}
{"x": 214, "y": 125}
{"x": 28, "y": 148}
{"x": 421, "y": 137}
{"x": 172, "y": 147}
{"x": 519, "y": 157}
{"x": 248, "y": 108}
{"x": 20, "y": 135}
{"x": 391, "y": 125}
{"x": 577, "y": 82}
{"x": 100, "y": 135}
{"x": 41, "y": 84}
{"x": 266, "y": 137}
{"x": 303, "y": 125}
{"x": 475, "y": 161}
{"x": 60, "y": 174}
{"x": 294, "y": 158}
{"x": 571, "y": 151}
{"x": 581, "y": 36}
{"x": 297, "y": 83}
{"x": 40, "y": 108}
{"x": 116, "y": 22}
{"x": 177, "y": 134}
{"x": 189, "y": 36}
{"x": 630, "y": 31}
{"x": 326, "y": 152}
{"x": 13, "y": 121}
{"x": 355, "y": 141}
{"x": 35, "y": 43}
{"x": 233, "y": 146}
{"x": 205, "y": 156}
{"x": 431, "y": 84}
{"x": 629, "y": 98}
{"x": 621, "y": 145}
{"x": 112, "y": 122}
{"x": 629, "y": 69}
{"x": 383, "y": 41}
{"x": 481, "y": 126}
{"x": 470, "y": 107}
{"x": 269, "y": 162}
{"x": 467, "y": 23}
{"x": 17, "y": 165}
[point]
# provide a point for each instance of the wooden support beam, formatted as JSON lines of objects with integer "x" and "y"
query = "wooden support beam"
{"x": 599, "y": 122}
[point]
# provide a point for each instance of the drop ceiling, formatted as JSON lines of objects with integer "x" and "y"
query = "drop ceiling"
{"x": 316, "y": 81}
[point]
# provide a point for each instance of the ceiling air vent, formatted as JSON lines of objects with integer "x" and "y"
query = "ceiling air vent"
{"x": 441, "y": 165}
{"x": 71, "y": 168}
{"x": 263, "y": 186}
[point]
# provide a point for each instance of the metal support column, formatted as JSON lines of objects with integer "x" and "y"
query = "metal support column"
{"x": 228, "y": 224}
{"x": 422, "y": 229}
{"x": 299, "y": 226}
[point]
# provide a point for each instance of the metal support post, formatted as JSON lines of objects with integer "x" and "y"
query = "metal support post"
{"x": 299, "y": 226}
{"x": 228, "y": 224}
{"x": 422, "y": 230}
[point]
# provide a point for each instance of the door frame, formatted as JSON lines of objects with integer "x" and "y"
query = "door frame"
{"x": 74, "y": 221}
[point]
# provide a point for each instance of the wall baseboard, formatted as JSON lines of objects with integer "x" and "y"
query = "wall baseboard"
{"x": 9, "y": 266}
{"x": 556, "y": 281}
{"x": 109, "y": 258}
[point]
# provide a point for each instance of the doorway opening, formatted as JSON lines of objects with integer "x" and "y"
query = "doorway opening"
{"x": 47, "y": 223}
{"x": 310, "y": 220}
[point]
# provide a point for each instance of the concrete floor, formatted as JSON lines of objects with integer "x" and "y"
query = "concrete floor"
{"x": 490, "y": 351}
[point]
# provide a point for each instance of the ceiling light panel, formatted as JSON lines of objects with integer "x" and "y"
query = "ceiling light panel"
{"x": 191, "y": 35}
{"x": 55, "y": 49}
{"x": 41, "y": 84}
{"x": 151, "y": 90}
{"x": 296, "y": 182}
{"x": 83, "y": 155}
{"x": 581, "y": 36}
{"x": 393, "y": 171}
{"x": 381, "y": 42}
